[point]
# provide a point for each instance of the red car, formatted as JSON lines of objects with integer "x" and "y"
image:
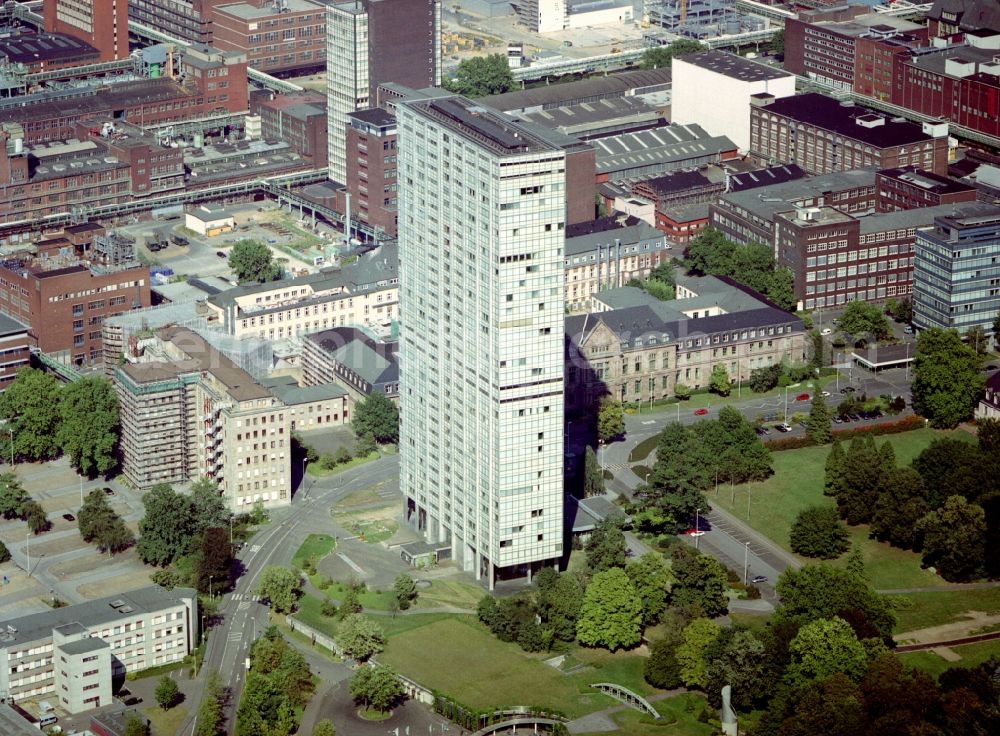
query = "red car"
{"x": 700, "y": 412}
{"x": 802, "y": 397}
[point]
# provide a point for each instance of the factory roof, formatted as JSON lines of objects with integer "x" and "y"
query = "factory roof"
{"x": 628, "y": 235}
{"x": 847, "y": 120}
{"x": 662, "y": 145}
{"x": 15, "y": 632}
{"x": 733, "y": 66}
{"x": 246, "y": 11}
{"x": 764, "y": 177}
{"x": 122, "y": 95}
{"x": 37, "y": 47}
{"x": 764, "y": 202}
{"x": 585, "y": 116}
{"x": 585, "y": 90}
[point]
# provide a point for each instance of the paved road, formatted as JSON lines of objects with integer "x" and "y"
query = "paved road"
{"x": 242, "y": 618}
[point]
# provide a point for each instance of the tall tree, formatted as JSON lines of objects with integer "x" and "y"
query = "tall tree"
{"x": 742, "y": 664}
{"x": 863, "y": 320}
{"x": 701, "y": 582}
{"x": 378, "y": 417}
{"x": 252, "y": 262}
{"x": 208, "y": 508}
{"x": 820, "y": 591}
{"x": 996, "y": 329}
{"x": 12, "y": 496}
{"x": 818, "y": 532}
{"x": 611, "y": 615}
{"x": 282, "y": 587}
{"x": 210, "y": 715}
{"x": 696, "y": 639}
{"x": 951, "y": 467}
{"x": 212, "y": 572}
{"x": 975, "y": 337}
{"x": 658, "y": 57}
{"x": 818, "y": 424}
{"x": 823, "y": 648}
{"x": 610, "y": 420}
{"x": 833, "y": 478}
{"x": 30, "y": 405}
{"x": 651, "y": 578}
{"x": 100, "y": 524}
{"x": 832, "y": 707}
{"x": 167, "y": 692}
{"x": 359, "y": 637}
{"x": 661, "y": 668}
{"x": 376, "y": 687}
{"x": 481, "y": 76}
{"x": 324, "y": 728}
{"x": 719, "y": 380}
{"x": 165, "y": 531}
{"x": 593, "y": 477}
{"x": 953, "y": 539}
{"x": 606, "y": 547}
{"x": 34, "y": 514}
{"x": 560, "y": 608}
{"x": 946, "y": 378}
{"x": 404, "y": 590}
{"x": 88, "y": 427}
{"x": 899, "y": 507}
{"x": 864, "y": 479}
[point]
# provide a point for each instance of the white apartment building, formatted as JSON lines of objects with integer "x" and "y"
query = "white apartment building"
{"x": 74, "y": 652}
{"x": 481, "y": 233}
{"x": 347, "y": 87}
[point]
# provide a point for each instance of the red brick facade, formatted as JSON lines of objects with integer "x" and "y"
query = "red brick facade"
{"x": 101, "y": 23}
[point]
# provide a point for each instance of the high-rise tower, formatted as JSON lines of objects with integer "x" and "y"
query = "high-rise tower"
{"x": 101, "y": 23}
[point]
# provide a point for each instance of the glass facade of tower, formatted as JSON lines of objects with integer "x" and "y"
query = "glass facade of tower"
{"x": 346, "y": 77}
{"x": 481, "y": 234}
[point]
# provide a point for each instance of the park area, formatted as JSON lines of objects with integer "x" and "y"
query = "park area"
{"x": 797, "y": 484}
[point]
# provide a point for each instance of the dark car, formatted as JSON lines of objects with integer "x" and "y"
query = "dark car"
{"x": 179, "y": 240}
{"x": 855, "y": 418}
{"x": 847, "y": 390}
{"x": 761, "y": 431}
{"x": 132, "y": 700}
{"x": 220, "y": 254}
{"x": 69, "y": 517}
{"x": 758, "y": 579}
{"x": 108, "y": 491}
{"x": 783, "y": 428}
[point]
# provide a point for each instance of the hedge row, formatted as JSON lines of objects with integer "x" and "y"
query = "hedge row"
{"x": 906, "y": 424}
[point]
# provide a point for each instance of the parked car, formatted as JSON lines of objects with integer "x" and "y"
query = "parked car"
{"x": 783, "y": 427}
{"x": 824, "y": 394}
{"x": 758, "y": 579}
{"x": 761, "y": 430}
{"x": 826, "y": 331}
{"x": 220, "y": 254}
{"x": 700, "y": 412}
{"x": 109, "y": 491}
{"x": 837, "y": 420}
{"x": 802, "y": 397}
{"x": 855, "y": 417}
{"x": 908, "y": 330}
{"x": 694, "y": 532}
{"x": 847, "y": 390}
{"x": 179, "y": 240}
{"x": 69, "y": 517}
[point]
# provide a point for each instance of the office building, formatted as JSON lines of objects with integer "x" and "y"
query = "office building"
{"x": 63, "y": 290}
{"x": 908, "y": 188}
{"x": 481, "y": 236}
{"x": 188, "y": 411}
{"x": 15, "y": 349}
{"x": 371, "y": 168}
{"x": 373, "y": 42}
{"x": 72, "y": 653}
{"x": 347, "y": 356}
{"x": 733, "y": 80}
{"x": 542, "y": 16}
{"x": 956, "y": 272}
{"x": 636, "y": 348}
{"x": 188, "y": 20}
{"x": 821, "y": 134}
{"x": 101, "y": 23}
{"x": 297, "y": 119}
{"x": 275, "y": 35}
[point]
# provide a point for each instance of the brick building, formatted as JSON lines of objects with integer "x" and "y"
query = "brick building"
{"x": 908, "y": 188}
{"x": 63, "y": 290}
{"x": 681, "y": 187}
{"x": 275, "y": 36}
{"x": 298, "y": 119}
{"x": 371, "y": 168}
{"x": 101, "y": 23}
{"x": 680, "y": 223}
{"x": 15, "y": 344}
{"x": 42, "y": 52}
{"x": 821, "y": 134}
{"x": 188, "y": 20}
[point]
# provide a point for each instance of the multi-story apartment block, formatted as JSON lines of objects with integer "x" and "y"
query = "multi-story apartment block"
{"x": 821, "y": 135}
{"x": 836, "y": 258}
{"x": 363, "y": 294}
{"x": 101, "y": 23}
{"x": 188, "y": 20}
{"x": 636, "y": 348}
{"x": 956, "y": 271}
{"x": 15, "y": 349}
{"x": 371, "y": 168}
{"x": 607, "y": 254}
{"x": 188, "y": 411}
{"x": 349, "y": 357}
{"x": 275, "y": 35}
{"x": 64, "y": 290}
{"x": 369, "y": 43}
{"x": 908, "y": 188}
{"x": 482, "y": 227}
{"x": 72, "y": 653}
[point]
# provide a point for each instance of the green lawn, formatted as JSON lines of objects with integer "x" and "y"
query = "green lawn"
{"x": 641, "y": 451}
{"x": 934, "y": 609}
{"x": 315, "y": 547}
{"x": 165, "y": 722}
{"x": 457, "y": 656}
{"x": 797, "y": 483}
{"x": 680, "y": 718}
{"x": 449, "y": 593}
{"x": 319, "y": 472}
{"x": 972, "y": 655}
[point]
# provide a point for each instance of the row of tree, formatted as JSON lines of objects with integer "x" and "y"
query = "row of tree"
{"x": 45, "y": 419}
{"x": 15, "y": 503}
{"x": 689, "y": 460}
{"x": 946, "y": 504}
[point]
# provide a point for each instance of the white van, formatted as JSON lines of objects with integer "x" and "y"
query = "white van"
{"x": 46, "y": 719}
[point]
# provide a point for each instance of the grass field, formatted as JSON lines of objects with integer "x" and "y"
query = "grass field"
{"x": 315, "y": 547}
{"x": 314, "y": 469}
{"x": 680, "y": 718}
{"x": 934, "y": 609}
{"x": 449, "y": 593}
{"x": 972, "y": 655}
{"x": 457, "y": 656}
{"x": 165, "y": 722}
{"x": 643, "y": 449}
{"x": 797, "y": 483}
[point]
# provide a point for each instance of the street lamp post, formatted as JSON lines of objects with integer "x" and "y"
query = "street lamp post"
{"x": 647, "y": 479}
{"x": 746, "y": 560}
{"x": 210, "y": 596}
{"x": 748, "y": 502}
{"x": 600, "y": 455}
{"x": 794, "y": 385}
{"x": 230, "y": 530}
{"x": 27, "y": 550}
{"x": 678, "y": 411}
{"x": 81, "y": 490}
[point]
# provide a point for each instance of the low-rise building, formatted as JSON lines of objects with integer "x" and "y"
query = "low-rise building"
{"x": 606, "y": 254}
{"x": 956, "y": 271}
{"x": 680, "y": 223}
{"x": 989, "y": 404}
{"x": 297, "y": 119}
{"x": 662, "y": 150}
{"x": 74, "y": 652}
{"x": 353, "y": 359}
{"x": 637, "y": 348}
{"x": 15, "y": 348}
{"x": 362, "y": 294}
{"x": 188, "y": 411}
{"x": 209, "y": 220}
{"x": 276, "y": 37}
{"x": 821, "y": 134}
{"x": 312, "y": 406}
{"x": 907, "y": 188}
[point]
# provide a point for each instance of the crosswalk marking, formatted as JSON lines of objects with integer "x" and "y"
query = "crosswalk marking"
{"x": 235, "y": 636}
{"x": 246, "y": 597}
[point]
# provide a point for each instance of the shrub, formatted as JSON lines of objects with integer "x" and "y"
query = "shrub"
{"x": 342, "y": 456}
{"x": 328, "y": 608}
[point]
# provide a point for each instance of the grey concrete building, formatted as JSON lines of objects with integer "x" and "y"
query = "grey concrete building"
{"x": 357, "y": 361}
